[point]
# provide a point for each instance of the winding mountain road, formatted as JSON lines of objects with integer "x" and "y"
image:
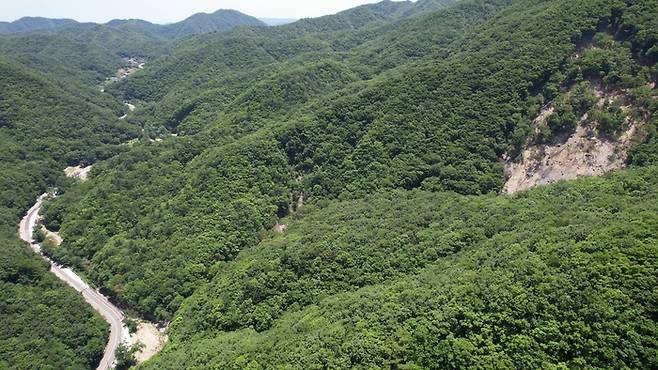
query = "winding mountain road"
{"x": 100, "y": 303}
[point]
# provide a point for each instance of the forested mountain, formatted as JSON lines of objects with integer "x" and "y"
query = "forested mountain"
{"x": 354, "y": 18}
{"x": 46, "y": 124}
{"x": 52, "y": 115}
{"x": 555, "y": 277}
{"x": 219, "y": 21}
{"x": 331, "y": 193}
{"x": 409, "y": 105}
{"x": 35, "y": 24}
{"x": 90, "y": 53}
{"x": 191, "y": 83}
{"x": 87, "y": 56}
{"x": 257, "y": 131}
{"x": 45, "y": 324}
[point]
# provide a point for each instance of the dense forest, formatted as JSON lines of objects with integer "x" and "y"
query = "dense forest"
{"x": 45, "y": 324}
{"x": 52, "y": 115}
{"x": 253, "y": 175}
{"x": 91, "y": 53}
{"x": 47, "y": 122}
{"x": 45, "y": 125}
{"x": 562, "y": 276}
{"x": 329, "y": 193}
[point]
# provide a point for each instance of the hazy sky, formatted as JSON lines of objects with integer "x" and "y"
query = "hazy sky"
{"x": 163, "y": 11}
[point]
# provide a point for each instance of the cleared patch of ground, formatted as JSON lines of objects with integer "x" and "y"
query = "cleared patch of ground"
{"x": 132, "y": 65}
{"x": 151, "y": 337}
{"x": 584, "y": 153}
{"x": 280, "y": 228}
{"x": 78, "y": 172}
{"x": 54, "y": 237}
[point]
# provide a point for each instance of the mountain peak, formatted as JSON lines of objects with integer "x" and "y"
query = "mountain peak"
{"x": 35, "y": 24}
{"x": 218, "y": 21}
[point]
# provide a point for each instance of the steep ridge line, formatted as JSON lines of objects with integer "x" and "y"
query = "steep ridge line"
{"x": 113, "y": 315}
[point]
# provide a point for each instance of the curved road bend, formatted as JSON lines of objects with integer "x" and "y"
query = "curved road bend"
{"x": 99, "y": 302}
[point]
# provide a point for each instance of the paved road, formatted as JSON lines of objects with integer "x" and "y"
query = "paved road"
{"x": 99, "y": 302}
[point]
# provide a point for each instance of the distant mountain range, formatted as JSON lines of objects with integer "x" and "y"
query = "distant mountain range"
{"x": 219, "y": 21}
{"x": 35, "y": 24}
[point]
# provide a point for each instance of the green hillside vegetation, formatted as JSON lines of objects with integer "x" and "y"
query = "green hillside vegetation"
{"x": 213, "y": 68}
{"x": 122, "y": 42}
{"x": 562, "y": 276}
{"x": 71, "y": 123}
{"x": 438, "y": 121}
{"x": 35, "y": 24}
{"x": 45, "y": 324}
{"x": 187, "y": 96}
{"x": 61, "y": 56}
{"x": 46, "y": 124}
{"x": 219, "y": 21}
{"x": 354, "y": 18}
{"x": 248, "y": 187}
{"x": 87, "y": 55}
{"x": 90, "y": 53}
{"x": 373, "y": 138}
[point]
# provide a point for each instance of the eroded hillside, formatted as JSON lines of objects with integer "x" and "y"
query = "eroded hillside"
{"x": 586, "y": 151}
{"x": 588, "y": 128}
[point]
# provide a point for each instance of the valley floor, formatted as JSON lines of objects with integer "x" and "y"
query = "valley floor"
{"x": 112, "y": 314}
